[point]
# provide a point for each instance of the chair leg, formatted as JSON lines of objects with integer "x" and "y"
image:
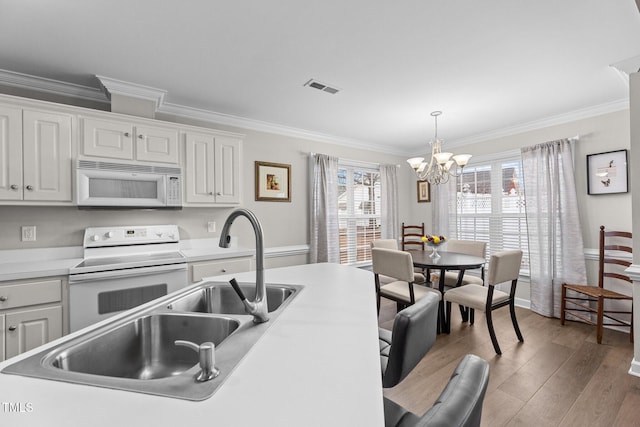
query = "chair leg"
{"x": 378, "y": 303}
{"x": 472, "y": 315}
{"x": 492, "y": 333}
{"x": 512, "y": 308}
{"x": 563, "y": 304}
{"x": 600, "y": 319}
{"x": 464, "y": 312}
{"x": 447, "y": 322}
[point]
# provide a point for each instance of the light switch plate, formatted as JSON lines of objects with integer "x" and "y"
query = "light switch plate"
{"x": 28, "y": 233}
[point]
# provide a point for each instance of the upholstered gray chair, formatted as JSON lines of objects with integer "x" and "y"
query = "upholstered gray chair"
{"x": 385, "y": 243}
{"x": 419, "y": 277}
{"x": 468, "y": 247}
{"x": 503, "y": 267}
{"x": 398, "y": 265}
{"x": 459, "y": 404}
{"x": 414, "y": 332}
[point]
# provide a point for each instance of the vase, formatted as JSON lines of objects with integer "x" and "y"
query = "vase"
{"x": 434, "y": 252}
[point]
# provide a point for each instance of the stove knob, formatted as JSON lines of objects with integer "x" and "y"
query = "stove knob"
{"x": 95, "y": 237}
{"x": 109, "y": 234}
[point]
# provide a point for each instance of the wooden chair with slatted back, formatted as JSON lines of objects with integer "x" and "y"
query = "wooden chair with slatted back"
{"x": 412, "y": 237}
{"x": 591, "y": 299}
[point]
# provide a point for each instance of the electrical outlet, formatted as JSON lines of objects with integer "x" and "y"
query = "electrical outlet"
{"x": 211, "y": 226}
{"x": 28, "y": 233}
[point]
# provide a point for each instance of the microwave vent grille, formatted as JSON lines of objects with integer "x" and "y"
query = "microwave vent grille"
{"x": 125, "y": 167}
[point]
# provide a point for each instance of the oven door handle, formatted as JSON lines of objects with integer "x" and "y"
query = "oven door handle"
{"x": 124, "y": 273}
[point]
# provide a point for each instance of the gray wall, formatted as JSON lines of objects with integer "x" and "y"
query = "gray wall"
{"x": 286, "y": 224}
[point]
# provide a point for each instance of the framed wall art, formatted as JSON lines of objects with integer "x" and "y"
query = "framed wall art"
{"x": 607, "y": 173}
{"x": 273, "y": 182}
{"x": 424, "y": 192}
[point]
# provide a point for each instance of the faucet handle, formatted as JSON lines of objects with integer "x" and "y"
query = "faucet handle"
{"x": 207, "y": 356}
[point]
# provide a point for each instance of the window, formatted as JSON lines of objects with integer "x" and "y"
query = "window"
{"x": 490, "y": 206}
{"x": 358, "y": 211}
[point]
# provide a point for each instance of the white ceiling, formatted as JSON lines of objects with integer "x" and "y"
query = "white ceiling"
{"x": 489, "y": 65}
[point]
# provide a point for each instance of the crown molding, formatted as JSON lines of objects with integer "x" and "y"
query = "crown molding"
{"x": 258, "y": 125}
{"x": 120, "y": 87}
{"x": 56, "y": 87}
{"x": 157, "y": 96}
{"x": 572, "y": 116}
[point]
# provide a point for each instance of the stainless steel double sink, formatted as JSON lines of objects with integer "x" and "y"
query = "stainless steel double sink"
{"x": 138, "y": 352}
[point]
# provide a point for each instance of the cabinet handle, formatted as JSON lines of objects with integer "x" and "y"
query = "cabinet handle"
{"x": 12, "y": 328}
{"x": 141, "y": 136}
{"x": 211, "y": 193}
{"x": 14, "y": 187}
{"x": 224, "y": 270}
{"x": 219, "y": 193}
{"x": 3, "y": 298}
{"x": 127, "y": 134}
{"x": 30, "y": 187}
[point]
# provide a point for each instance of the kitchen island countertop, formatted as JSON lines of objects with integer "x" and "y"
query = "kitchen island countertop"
{"x": 317, "y": 365}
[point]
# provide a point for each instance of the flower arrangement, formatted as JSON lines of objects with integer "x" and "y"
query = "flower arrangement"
{"x": 433, "y": 240}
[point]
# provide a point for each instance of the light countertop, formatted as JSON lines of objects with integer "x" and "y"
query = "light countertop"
{"x": 317, "y": 365}
{"x": 20, "y": 264}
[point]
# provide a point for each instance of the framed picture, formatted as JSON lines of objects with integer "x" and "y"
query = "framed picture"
{"x": 607, "y": 173}
{"x": 424, "y": 192}
{"x": 273, "y": 182}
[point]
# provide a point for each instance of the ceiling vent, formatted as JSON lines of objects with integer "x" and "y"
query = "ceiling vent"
{"x": 321, "y": 86}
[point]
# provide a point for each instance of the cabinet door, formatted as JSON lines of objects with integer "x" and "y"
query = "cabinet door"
{"x": 227, "y": 170}
{"x": 31, "y": 328}
{"x": 199, "y": 168}
{"x": 107, "y": 138}
{"x": 47, "y": 156}
{"x": 10, "y": 153}
{"x": 157, "y": 144}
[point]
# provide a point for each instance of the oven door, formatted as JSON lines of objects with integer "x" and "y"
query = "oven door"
{"x": 97, "y": 296}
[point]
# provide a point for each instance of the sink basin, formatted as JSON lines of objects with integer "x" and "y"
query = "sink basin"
{"x": 144, "y": 348}
{"x": 136, "y": 351}
{"x": 220, "y": 298}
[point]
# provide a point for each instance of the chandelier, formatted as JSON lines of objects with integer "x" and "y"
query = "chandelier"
{"x": 442, "y": 165}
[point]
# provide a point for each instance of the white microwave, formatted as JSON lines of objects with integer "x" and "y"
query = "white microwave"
{"x": 117, "y": 185}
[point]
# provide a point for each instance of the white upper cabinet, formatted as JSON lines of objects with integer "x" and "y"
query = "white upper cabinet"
{"x": 10, "y": 153}
{"x": 212, "y": 169}
{"x": 35, "y": 155}
{"x": 117, "y": 139}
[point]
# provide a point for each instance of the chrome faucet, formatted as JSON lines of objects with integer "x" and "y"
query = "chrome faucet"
{"x": 258, "y": 307}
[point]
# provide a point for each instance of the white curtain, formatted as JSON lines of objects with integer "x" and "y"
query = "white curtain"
{"x": 555, "y": 238}
{"x": 389, "y": 201}
{"x": 324, "y": 239}
{"x": 443, "y": 202}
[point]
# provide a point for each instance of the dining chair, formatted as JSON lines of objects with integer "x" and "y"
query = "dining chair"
{"x": 412, "y": 237}
{"x": 503, "y": 267}
{"x": 459, "y": 404}
{"x": 399, "y": 265}
{"x": 413, "y": 335}
{"x": 467, "y": 247}
{"x": 611, "y": 264}
{"x": 393, "y": 244}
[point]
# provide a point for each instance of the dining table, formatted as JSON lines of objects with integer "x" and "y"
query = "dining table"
{"x": 445, "y": 261}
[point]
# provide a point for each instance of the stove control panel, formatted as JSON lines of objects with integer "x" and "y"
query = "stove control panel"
{"x": 95, "y": 237}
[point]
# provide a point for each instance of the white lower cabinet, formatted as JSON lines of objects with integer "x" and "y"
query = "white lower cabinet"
{"x": 201, "y": 269}
{"x": 31, "y": 328}
{"x": 31, "y": 314}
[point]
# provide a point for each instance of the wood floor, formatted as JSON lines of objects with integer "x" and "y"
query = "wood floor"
{"x": 559, "y": 376}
